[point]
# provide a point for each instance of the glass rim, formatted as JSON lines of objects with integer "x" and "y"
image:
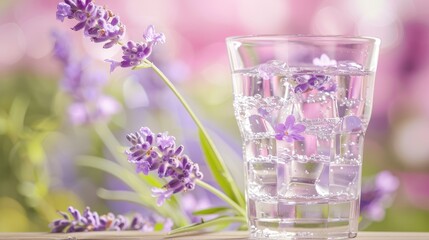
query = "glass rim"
{"x": 270, "y": 38}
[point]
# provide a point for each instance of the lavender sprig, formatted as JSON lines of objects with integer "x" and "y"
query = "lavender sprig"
{"x": 150, "y": 152}
{"x": 89, "y": 104}
{"x": 377, "y": 195}
{"x": 134, "y": 53}
{"x": 91, "y": 221}
{"x": 98, "y": 23}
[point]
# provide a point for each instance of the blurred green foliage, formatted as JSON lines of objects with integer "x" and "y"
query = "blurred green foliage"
{"x": 27, "y": 116}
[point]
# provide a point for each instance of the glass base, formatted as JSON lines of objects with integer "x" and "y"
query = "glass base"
{"x": 301, "y": 231}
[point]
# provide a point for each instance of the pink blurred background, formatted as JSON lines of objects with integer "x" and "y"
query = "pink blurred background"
{"x": 398, "y": 135}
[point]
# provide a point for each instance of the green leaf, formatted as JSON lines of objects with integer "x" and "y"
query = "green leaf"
{"x": 220, "y": 221}
{"x": 128, "y": 196}
{"x": 121, "y": 173}
{"x": 135, "y": 183}
{"x": 209, "y": 211}
{"x": 219, "y": 170}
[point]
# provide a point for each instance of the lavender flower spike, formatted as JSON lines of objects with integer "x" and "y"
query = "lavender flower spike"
{"x": 134, "y": 53}
{"x": 91, "y": 221}
{"x": 98, "y": 23}
{"x": 88, "y": 221}
{"x": 150, "y": 152}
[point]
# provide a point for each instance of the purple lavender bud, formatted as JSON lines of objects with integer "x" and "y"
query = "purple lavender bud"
{"x": 170, "y": 172}
{"x": 301, "y": 88}
{"x": 149, "y": 139}
{"x": 173, "y": 184}
{"x": 78, "y": 26}
{"x": 165, "y": 141}
{"x": 179, "y": 150}
{"x": 173, "y": 162}
{"x": 59, "y": 225}
{"x": 155, "y": 166}
{"x": 90, "y": 7}
{"x": 102, "y": 24}
{"x": 137, "y": 222}
{"x": 75, "y": 213}
{"x": 143, "y": 167}
{"x": 145, "y": 131}
{"x": 72, "y": 3}
{"x": 199, "y": 175}
{"x": 186, "y": 174}
{"x": 115, "y": 21}
{"x": 109, "y": 44}
{"x": 190, "y": 186}
{"x": 179, "y": 189}
{"x": 133, "y": 138}
{"x": 137, "y": 153}
{"x": 187, "y": 167}
{"x": 63, "y": 11}
{"x": 162, "y": 169}
{"x": 196, "y": 167}
{"x": 145, "y": 146}
{"x": 96, "y": 218}
{"x": 119, "y": 223}
{"x": 81, "y": 4}
{"x": 154, "y": 155}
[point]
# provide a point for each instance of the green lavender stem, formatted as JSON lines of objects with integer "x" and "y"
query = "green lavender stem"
{"x": 110, "y": 141}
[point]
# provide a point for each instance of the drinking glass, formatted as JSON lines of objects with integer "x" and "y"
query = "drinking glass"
{"x": 303, "y": 104}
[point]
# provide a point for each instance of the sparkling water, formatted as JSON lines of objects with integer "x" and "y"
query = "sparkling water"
{"x": 310, "y": 187}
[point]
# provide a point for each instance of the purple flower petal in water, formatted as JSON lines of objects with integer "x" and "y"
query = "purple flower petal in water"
{"x": 289, "y": 131}
{"x": 307, "y": 82}
{"x": 352, "y": 124}
{"x": 271, "y": 69}
{"x": 324, "y": 61}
